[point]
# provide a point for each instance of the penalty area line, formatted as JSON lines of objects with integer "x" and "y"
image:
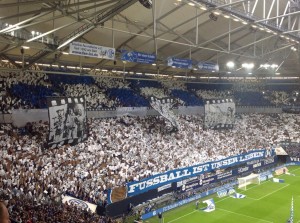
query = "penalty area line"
{"x": 182, "y": 216}
{"x": 273, "y": 192}
{"x": 256, "y": 185}
{"x": 243, "y": 215}
{"x": 194, "y": 211}
{"x": 295, "y": 169}
{"x": 251, "y": 198}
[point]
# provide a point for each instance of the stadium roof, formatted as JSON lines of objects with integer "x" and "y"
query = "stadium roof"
{"x": 255, "y": 31}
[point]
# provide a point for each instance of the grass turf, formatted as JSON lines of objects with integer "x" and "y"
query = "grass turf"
{"x": 268, "y": 202}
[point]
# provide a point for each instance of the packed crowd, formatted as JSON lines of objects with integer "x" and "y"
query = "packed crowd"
{"x": 124, "y": 149}
{"x": 293, "y": 149}
{"x": 10, "y": 99}
{"x": 95, "y": 97}
{"x": 24, "y": 208}
{"x": 29, "y": 90}
{"x": 213, "y": 94}
{"x": 156, "y": 92}
{"x": 121, "y": 149}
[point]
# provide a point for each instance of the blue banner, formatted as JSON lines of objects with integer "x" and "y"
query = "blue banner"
{"x": 138, "y": 57}
{"x": 134, "y": 188}
{"x": 196, "y": 182}
{"x": 180, "y": 63}
{"x": 208, "y": 66}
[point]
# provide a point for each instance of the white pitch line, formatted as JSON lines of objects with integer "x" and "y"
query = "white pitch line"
{"x": 257, "y": 199}
{"x": 228, "y": 197}
{"x": 295, "y": 169}
{"x": 182, "y": 216}
{"x": 194, "y": 211}
{"x": 273, "y": 192}
{"x": 222, "y": 199}
{"x": 251, "y": 198}
{"x": 243, "y": 215}
{"x": 257, "y": 185}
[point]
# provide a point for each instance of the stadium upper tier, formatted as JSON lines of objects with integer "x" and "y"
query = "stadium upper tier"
{"x": 30, "y": 89}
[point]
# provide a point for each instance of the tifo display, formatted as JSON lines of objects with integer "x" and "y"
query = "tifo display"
{"x": 67, "y": 120}
{"x": 130, "y": 159}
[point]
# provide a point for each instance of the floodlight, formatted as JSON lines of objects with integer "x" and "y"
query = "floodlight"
{"x": 230, "y": 64}
{"x": 248, "y": 65}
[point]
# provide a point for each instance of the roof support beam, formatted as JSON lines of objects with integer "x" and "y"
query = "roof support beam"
{"x": 280, "y": 65}
{"x": 26, "y": 3}
{"x": 8, "y": 29}
{"x": 76, "y": 36}
{"x": 51, "y": 31}
{"x": 254, "y": 7}
{"x": 42, "y": 10}
{"x": 150, "y": 25}
{"x": 175, "y": 33}
{"x": 292, "y": 31}
{"x": 280, "y": 16}
{"x": 254, "y": 42}
{"x": 221, "y": 6}
{"x": 285, "y": 11}
{"x": 12, "y": 47}
{"x": 266, "y": 12}
{"x": 17, "y": 26}
{"x": 154, "y": 15}
{"x": 248, "y": 46}
{"x": 181, "y": 24}
{"x": 119, "y": 7}
{"x": 98, "y": 19}
{"x": 36, "y": 23}
{"x": 90, "y": 7}
{"x": 270, "y": 10}
{"x": 132, "y": 23}
{"x": 11, "y": 61}
{"x": 279, "y": 49}
{"x": 102, "y": 62}
{"x": 88, "y": 2}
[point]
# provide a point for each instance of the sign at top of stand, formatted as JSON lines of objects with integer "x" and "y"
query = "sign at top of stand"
{"x": 138, "y": 57}
{"x": 90, "y": 50}
{"x": 208, "y": 66}
{"x": 180, "y": 63}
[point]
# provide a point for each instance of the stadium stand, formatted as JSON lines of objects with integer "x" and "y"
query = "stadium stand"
{"x": 113, "y": 110}
{"x": 127, "y": 149}
{"x": 120, "y": 149}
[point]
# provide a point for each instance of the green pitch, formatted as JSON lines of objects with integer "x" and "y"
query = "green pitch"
{"x": 268, "y": 202}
